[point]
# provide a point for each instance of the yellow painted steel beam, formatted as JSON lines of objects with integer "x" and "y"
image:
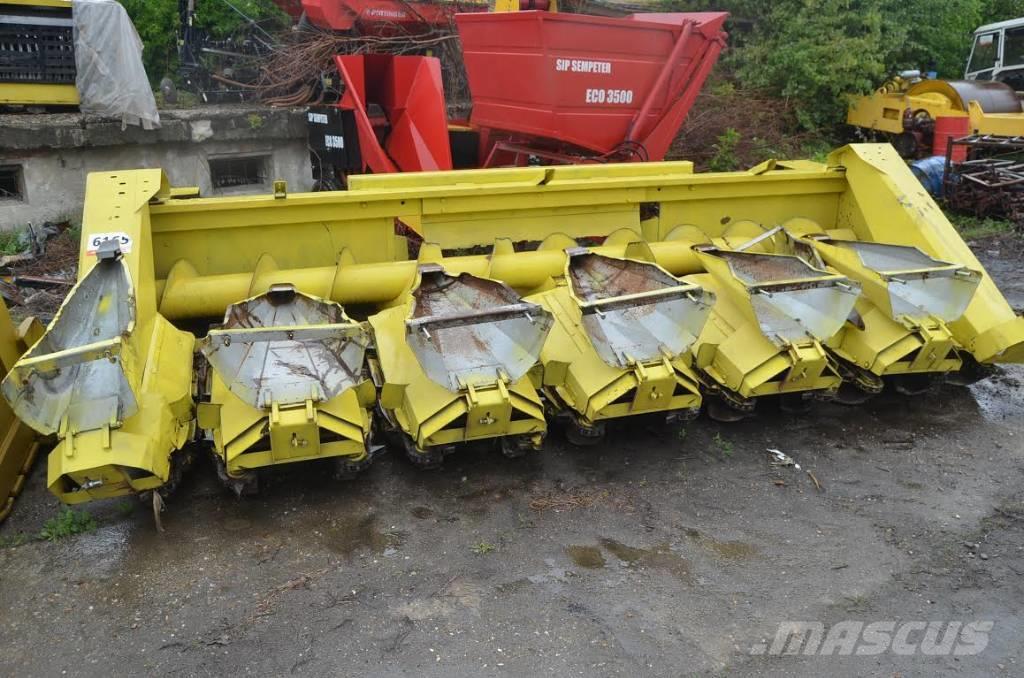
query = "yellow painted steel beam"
{"x": 35, "y": 94}
{"x": 58, "y": 4}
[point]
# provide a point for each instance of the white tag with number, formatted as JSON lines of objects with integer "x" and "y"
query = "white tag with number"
{"x": 95, "y": 240}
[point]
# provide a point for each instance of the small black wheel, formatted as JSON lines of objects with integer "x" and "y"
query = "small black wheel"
{"x": 682, "y": 417}
{"x": 246, "y": 484}
{"x": 724, "y": 411}
{"x": 915, "y": 384}
{"x": 584, "y": 435}
{"x": 851, "y": 394}
{"x": 347, "y": 469}
{"x": 514, "y": 447}
{"x": 429, "y": 459}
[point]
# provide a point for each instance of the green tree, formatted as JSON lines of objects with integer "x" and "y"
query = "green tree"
{"x": 157, "y": 22}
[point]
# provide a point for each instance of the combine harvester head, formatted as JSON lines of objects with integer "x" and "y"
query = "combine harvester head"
{"x": 287, "y": 384}
{"x": 816, "y": 273}
{"x": 453, "y": 364}
{"x": 767, "y": 330}
{"x": 619, "y": 346}
{"x": 898, "y": 330}
{"x": 110, "y": 377}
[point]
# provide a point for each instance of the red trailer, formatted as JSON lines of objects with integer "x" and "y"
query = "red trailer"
{"x": 574, "y": 85}
{"x": 555, "y": 88}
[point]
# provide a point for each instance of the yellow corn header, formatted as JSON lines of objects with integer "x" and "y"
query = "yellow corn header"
{"x": 440, "y": 309}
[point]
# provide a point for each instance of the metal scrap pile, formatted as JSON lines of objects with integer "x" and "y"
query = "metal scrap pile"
{"x": 35, "y": 281}
{"x": 301, "y": 70}
{"x": 992, "y": 185}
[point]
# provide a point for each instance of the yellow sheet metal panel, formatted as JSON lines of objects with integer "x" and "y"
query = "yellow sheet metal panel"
{"x": 59, "y": 4}
{"x": 136, "y": 455}
{"x": 22, "y": 94}
{"x": 998, "y": 124}
{"x": 285, "y": 370}
{"x": 886, "y": 203}
{"x": 436, "y": 411}
{"x": 132, "y": 450}
{"x": 18, "y": 444}
{"x": 620, "y": 327}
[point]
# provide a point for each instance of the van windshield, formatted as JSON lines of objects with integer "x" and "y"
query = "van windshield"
{"x": 986, "y": 51}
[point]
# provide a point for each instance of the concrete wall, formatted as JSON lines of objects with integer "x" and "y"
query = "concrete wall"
{"x": 56, "y": 152}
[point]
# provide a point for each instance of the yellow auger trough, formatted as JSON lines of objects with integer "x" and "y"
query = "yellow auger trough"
{"x": 435, "y": 310}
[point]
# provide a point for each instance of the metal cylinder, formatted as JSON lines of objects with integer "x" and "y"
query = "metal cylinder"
{"x": 187, "y": 294}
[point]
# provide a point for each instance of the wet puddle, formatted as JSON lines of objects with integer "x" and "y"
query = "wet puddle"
{"x": 422, "y": 512}
{"x": 658, "y": 557}
{"x": 729, "y": 550}
{"x": 1000, "y": 397}
{"x": 349, "y": 537}
{"x": 589, "y": 557}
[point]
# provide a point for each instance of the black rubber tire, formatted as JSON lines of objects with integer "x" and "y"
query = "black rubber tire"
{"x": 427, "y": 460}
{"x": 721, "y": 411}
{"x": 582, "y": 436}
{"x": 514, "y": 447}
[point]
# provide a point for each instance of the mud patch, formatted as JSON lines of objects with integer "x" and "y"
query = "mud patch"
{"x": 728, "y": 550}
{"x": 455, "y": 599}
{"x": 589, "y": 557}
{"x": 358, "y": 534}
{"x": 422, "y": 512}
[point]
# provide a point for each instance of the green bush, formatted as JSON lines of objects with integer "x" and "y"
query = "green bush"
{"x": 67, "y": 523}
{"x": 818, "y": 52}
{"x": 724, "y": 159}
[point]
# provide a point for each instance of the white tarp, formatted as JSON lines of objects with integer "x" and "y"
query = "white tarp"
{"x": 111, "y": 79}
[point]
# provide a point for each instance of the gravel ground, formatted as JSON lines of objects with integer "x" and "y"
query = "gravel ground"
{"x": 654, "y": 554}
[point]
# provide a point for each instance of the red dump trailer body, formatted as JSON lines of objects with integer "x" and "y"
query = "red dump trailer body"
{"x": 604, "y": 85}
{"x": 559, "y": 88}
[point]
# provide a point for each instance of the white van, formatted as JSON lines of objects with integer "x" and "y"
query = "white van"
{"x": 998, "y": 53}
